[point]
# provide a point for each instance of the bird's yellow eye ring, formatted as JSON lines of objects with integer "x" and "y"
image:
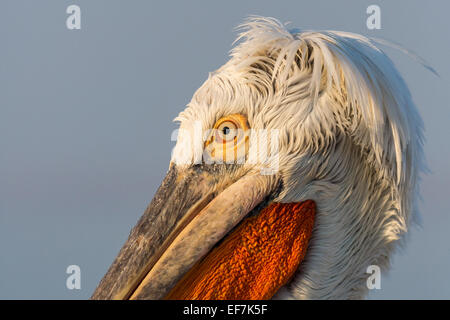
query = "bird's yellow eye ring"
{"x": 227, "y": 131}
{"x": 229, "y": 138}
{"x": 230, "y": 129}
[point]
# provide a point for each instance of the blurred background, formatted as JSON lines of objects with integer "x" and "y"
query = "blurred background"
{"x": 86, "y": 120}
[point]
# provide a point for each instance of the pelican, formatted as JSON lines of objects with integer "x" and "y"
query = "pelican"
{"x": 296, "y": 168}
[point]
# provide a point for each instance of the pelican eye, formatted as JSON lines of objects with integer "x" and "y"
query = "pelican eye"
{"x": 229, "y": 138}
{"x": 227, "y": 131}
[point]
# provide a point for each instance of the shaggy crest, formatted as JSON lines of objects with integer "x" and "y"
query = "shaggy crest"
{"x": 350, "y": 138}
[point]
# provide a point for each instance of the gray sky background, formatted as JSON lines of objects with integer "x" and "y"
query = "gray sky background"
{"x": 86, "y": 117}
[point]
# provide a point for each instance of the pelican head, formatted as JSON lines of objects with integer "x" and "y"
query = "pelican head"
{"x": 295, "y": 169}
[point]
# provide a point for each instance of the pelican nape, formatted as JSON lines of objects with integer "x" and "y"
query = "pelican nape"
{"x": 335, "y": 194}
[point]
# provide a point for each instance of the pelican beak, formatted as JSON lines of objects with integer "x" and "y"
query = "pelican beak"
{"x": 183, "y": 229}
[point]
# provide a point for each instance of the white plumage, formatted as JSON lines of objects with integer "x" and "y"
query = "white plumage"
{"x": 350, "y": 138}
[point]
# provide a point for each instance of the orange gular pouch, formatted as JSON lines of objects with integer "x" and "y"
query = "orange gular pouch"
{"x": 255, "y": 260}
